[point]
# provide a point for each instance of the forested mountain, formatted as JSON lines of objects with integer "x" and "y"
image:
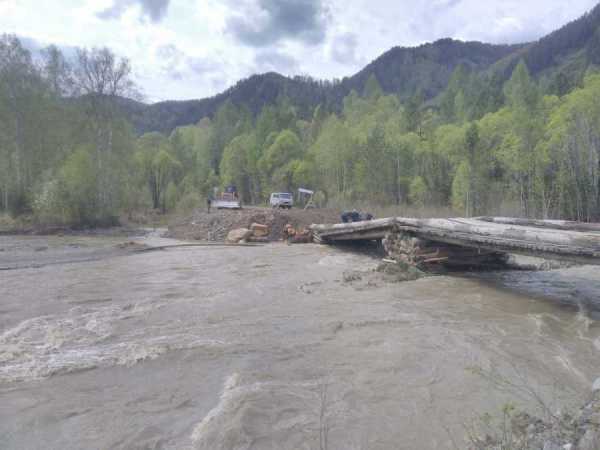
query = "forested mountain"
{"x": 559, "y": 59}
{"x": 401, "y": 71}
{"x": 253, "y": 93}
{"x": 428, "y": 68}
{"x": 562, "y": 56}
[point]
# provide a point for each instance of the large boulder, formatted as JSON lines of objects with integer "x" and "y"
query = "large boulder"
{"x": 238, "y": 235}
{"x": 259, "y": 230}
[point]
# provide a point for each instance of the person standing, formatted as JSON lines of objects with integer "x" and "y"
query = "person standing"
{"x": 208, "y": 203}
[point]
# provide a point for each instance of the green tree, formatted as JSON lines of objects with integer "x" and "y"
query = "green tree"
{"x": 156, "y": 166}
{"x": 333, "y": 153}
{"x": 21, "y": 91}
{"x": 278, "y": 161}
{"x": 571, "y": 153}
{"x": 77, "y": 181}
{"x": 449, "y": 108}
{"x": 523, "y": 98}
{"x": 235, "y": 168}
{"x": 70, "y": 198}
{"x": 228, "y": 123}
{"x": 100, "y": 78}
{"x": 461, "y": 188}
{"x": 414, "y": 113}
{"x": 372, "y": 88}
{"x": 418, "y": 192}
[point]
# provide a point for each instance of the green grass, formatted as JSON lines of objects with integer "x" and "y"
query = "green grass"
{"x": 9, "y": 224}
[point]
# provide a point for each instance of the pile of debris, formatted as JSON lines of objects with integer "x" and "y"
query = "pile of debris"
{"x": 429, "y": 255}
{"x": 216, "y": 225}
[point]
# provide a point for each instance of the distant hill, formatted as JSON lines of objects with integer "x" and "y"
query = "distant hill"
{"x": 564, "y": 53}
{"x": 569, "y": 50}
{"x": 404, "y": 71}
{"x": 254, "y": 93}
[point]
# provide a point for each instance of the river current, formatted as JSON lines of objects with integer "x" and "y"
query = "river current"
{"x": 275, "y": 347}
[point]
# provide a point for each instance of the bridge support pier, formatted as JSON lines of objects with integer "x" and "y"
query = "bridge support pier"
{"x": 406, "y": 248}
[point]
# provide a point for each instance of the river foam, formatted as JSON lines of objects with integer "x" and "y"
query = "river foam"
{"x": 84, "y": 339}
{"x": 232, "y": 423}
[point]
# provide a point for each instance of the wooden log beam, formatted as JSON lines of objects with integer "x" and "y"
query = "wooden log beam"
{"x": 489, "y": 236}
{"x": 577, "y": 246}
{"x": 553, "y": 224}
{"x": 365, "y": 235}
{"x": 367, "y": 230}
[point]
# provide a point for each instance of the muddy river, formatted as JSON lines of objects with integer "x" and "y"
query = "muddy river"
{"x": 274, "y": 347}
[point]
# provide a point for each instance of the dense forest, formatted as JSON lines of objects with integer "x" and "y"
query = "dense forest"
{"x": 502, "y": 130}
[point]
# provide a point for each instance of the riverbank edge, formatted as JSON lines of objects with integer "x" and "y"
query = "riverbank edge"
{"x": 117, "y": 231}
{"x": 569, "y": 430}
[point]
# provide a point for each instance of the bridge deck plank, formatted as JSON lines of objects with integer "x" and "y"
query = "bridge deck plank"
{"x": 549, "y": 239}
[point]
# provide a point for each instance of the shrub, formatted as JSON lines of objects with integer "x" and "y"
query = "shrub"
{"x": 418, "y": 191}
{"x": 190, "y": 201}
{"x": 72, "y": 197}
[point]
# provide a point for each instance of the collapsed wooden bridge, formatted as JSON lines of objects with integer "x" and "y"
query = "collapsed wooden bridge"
{"x": 478, "y": 242}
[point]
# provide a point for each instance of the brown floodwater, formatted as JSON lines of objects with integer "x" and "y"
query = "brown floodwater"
{"x": 270, "y": 347}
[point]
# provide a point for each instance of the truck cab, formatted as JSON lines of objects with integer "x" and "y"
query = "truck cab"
{"x": 281, "y": 200}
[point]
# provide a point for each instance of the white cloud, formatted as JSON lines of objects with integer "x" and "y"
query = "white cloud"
{"x": 343, "y": 48}
{"x": 261, "y": 23}
{"x": 193, "y": 48}
{"x": 155, "y": 10}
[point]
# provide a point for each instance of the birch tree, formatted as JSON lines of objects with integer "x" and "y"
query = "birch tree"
{"x": 101, "y": 79}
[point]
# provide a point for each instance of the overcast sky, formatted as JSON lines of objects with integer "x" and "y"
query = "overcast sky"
{"x": 182, "y": 49}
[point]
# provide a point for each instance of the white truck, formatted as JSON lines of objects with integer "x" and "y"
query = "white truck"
{"x": 281, "y": 200}
{"x": 228, "y": 199}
